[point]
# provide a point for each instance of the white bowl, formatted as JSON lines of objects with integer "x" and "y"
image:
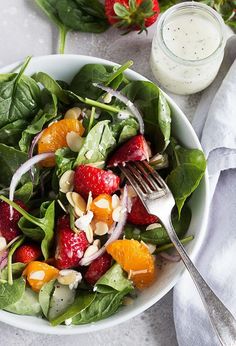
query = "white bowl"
{"x": 64, "y": 67}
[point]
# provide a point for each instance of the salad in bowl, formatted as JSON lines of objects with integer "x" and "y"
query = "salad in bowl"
{"x": 76, "y": 243}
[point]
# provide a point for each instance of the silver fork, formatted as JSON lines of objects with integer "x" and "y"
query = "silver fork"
{"x": 158, "y": 200}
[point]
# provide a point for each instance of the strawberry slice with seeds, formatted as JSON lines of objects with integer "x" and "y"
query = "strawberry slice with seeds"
{"x": 70, "y": 245}
{"x": 96, "y": 180}
{"x": 139, "y": 215}
{"x": 27, "y": 253}
{"x": 98, "y": 268}
{"x": 136, "y": 149}
{"x": 9, "y": 226}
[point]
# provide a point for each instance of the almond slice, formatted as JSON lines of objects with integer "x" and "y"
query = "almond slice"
{"x": 66, "y": 182}
{"x": 74, "y": 141}
{"x": 116, "y": 213}
{"x": 153, "y": 226}
{"x": 102, "y": 203}
{"x": 115, "y": 201}
{"x": 91, "y": 250}
{"x": 89, "y": 201}
{"x": 78, "y": 201}
{"x": 89, "y": 234}
{"x": 101, "y": 228}
{"x": 73, "y": 113}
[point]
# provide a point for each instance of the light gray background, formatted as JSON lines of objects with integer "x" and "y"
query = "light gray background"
{"x": 24, "y": 30}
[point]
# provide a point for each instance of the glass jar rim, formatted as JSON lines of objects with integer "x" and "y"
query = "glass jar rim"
{"x": 191, "y": 5}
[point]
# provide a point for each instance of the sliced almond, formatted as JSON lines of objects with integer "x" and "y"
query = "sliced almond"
{"x": 74, "y": 141}
{"x": 151, "y": 248}
{"x": 73, "y": 113}
{"x": 153, "y": 226}
{"x": 37, "y": 275}
{"x": 115, "y": 201}
{"x": 62, "y": 206}
{"x": 99, "y": 164}
{"x": 116, "y": 214}
{"x": 89, "y": 201}
{"x": 83, "y": 222}
{"x": 78, "y": 201}
{"x": 69, "y": 277}
{"x": 97, "y": 242}
{"x": 102, "y": 203}
{"x": 66, "y": 182}
{"x": 69, "y": 198}
{"x": 91, "y": 250}
{"x": 89, "y": 234}
{"x": 101, "y": 228}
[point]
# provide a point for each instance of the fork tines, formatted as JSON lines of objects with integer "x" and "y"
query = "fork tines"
{"x": 144, "y": 178}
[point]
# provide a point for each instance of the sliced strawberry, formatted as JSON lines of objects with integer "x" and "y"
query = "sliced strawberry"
{"x": 27, "y": 253}
{"x": 136, "y": 149}
{"x": 139, "y": 215}
{"x": 96, "y": 180}
{"x": 9, "y": 226}
{"x": 70, "y": 245}
{"x": 98, "y": 268}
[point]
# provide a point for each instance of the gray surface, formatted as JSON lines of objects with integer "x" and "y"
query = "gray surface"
{"x": 25, "y": 31}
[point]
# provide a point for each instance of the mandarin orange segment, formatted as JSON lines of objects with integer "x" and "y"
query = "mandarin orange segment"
{"x": 54, "y": 137}
{"x": 102, "y": 208}
{"x": 38, "y": 273}
{"x": 135, "y": 258}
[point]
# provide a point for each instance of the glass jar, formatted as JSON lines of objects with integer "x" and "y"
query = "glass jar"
{"x": 188, "y": 47}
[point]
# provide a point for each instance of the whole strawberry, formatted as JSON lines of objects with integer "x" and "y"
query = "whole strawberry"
{"x": 27, "y": 253}
{"x": 139, "y": 215}
{"x": 9, "y": 226}
{"x": 132, "y": 14}
{"x": 96, "y": 180}
{"x": 98, "y": 268}
{"x": 70, "y": 245}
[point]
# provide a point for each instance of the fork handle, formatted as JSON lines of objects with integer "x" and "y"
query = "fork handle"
{"x": 221, "y": 318}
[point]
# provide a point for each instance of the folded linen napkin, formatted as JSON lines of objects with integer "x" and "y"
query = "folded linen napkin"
{"x": 215, "y": 124}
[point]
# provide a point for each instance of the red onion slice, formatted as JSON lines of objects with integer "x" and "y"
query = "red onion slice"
{"x": 24, "y": 168}
{"x": 31, "y": 151}
{"x": 3, "y": 259}
{"x": 170, "y": 258}
{"x": 130, "y": 105}
{"x": 118, "y": 229}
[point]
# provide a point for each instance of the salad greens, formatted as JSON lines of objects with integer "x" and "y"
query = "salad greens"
{"x": 74, "y": 15}
{"x": 27, "y": 106}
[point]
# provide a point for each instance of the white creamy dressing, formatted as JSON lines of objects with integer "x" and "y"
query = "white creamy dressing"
{"x": 192, "y": 36}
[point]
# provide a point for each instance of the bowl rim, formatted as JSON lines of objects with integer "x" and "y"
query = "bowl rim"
{"x": 13, "y": 319}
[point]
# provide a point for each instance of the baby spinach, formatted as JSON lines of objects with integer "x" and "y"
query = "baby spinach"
{"x": 13, "y": 248}
{"x": 78, "y": 15}
{"x": 155, "y": 110}
{"x": 28, "y": 304}
{"x": 82, "y": 301}
{"x": 103, "y": 306}
{"x": 159, "y": 236}
{"x": 99, "y": 142}
{"x": 10, "y": 294}
{"x": 65, "y": 159}
{"x": 10, "y": 161}
{"x": 124, "y": 129}
{"x": 45, "y": 295}
{"x": 44, "y": 230}
{"x": 188, "y": 169}
{"x": 25, "y": 192}
{"x": 19, "y": 97}
{"x": 113, "y": 279}
{"x": 82, "y": 83}
{"x": 10, "y": 134}
{"x": 169, "y": 246}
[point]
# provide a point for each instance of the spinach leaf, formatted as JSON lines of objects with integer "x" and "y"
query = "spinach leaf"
{"x": 124, "y": 129}
{"x": 82, "y": 83}
{"x": 13, "y": 248}
{"x": 19, "y": 97}
{"x": 103, "y": 306}
{"x": 25, "y": 192}
{"x": 49, "y": 8}
{"x": 99, "y": 142}
{"x": 65, "y": 159}
{"x": 169, "y": 246}
{"x": 189, "y": 168}
{"x": 77, "y": 18}
{"x": 155, "y": 110}
{"x": 51, "y": 85}
{"x": 82, "y": 302}
{"x": 159, "y": 236}
{"x": 10, "y": 294}
{"x": 10, "y": 134}
{"x": 10, "y": 161}
{"x": 45, "y": 295}
{"x": 17, "y": 269}
{"x": 44, "y": 230}
{"x": 37, "y": 124}
{"x": 28, "y": 304}
{"x": 113, "y": 279}
{"x": 62, "y": 298}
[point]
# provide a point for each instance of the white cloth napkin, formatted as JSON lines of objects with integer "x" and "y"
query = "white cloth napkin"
{"x": 215, "y": 124}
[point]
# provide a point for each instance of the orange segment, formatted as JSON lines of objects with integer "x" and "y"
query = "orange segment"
{"x": 135, "y": 258}
{"x": 54, "y": 137}
{"x": 38, "y": 273}
{"x": 102, "y": 208}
